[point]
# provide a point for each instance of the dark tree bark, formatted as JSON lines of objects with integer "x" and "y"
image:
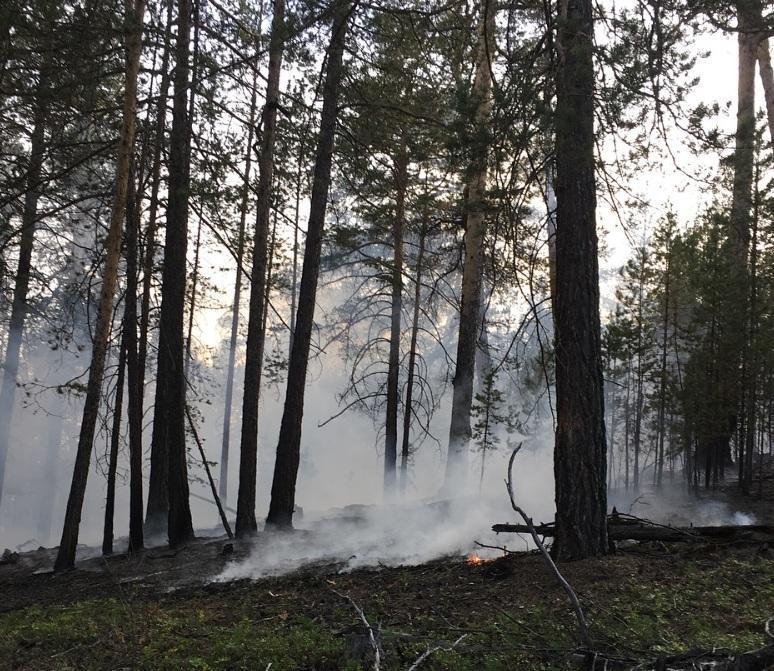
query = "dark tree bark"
{"x": 663, "y": 373}
{"x": 400, "y": 178}
{"x": 237, "y": 299}
{"x": 22, "y": 284}
{"x": 408, "y": 404}
{"x": 150, "y": 230}
{"x": 751, "y": 393}
{"x": 283, "y": 490}
{"x": 168, "y": 505}
{"x": 66, "y": 556}
{"x": 580, "y": 452}
{"x": 134, "y": 391}
{"x": 639, "y": 397}
{"x": 198, "y": 242}
{"x": 246, "y": 523}
{"x": 115, "y": 441}
{"x": 473, "y": 264}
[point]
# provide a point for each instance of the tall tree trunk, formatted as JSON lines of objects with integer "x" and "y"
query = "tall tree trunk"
{"x": 551, "y": 234}
{"x": 296, "y": 209}
{"x": 400, "y": 178}
{"x": 283, "y": 489}
{"x": 150, "y": 230}
{"x": 237, "y": 299}
{"x": 751, "y": 394}
{"x": 741, "y": 206}
{"x": 248, "y": 462}
{"x": 627, "y": 421}
{"x": 50, "y": 467}
{"x": 198, "y": 243}
{"x": 663, "y": 376}
{"x": 473, "y": 263}
{"x": 579, "y": 456}
{"x": 22, "y": 284}
{"x": 65, "y": 559}
{"x": 134, "y": 392}
{"x": 168, "y": 505}
{"x": 408, "y": 405}
{"x": 115, "y": 441}
{"x": 192, "y": 303}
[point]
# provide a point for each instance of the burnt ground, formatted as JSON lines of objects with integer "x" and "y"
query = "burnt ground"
{"x": 162, "y": 610}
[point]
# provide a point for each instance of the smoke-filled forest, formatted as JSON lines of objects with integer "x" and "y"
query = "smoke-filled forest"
{"x": 386, "y": 335}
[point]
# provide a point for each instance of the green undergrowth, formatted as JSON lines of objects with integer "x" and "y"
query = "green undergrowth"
{"x": 504, "y": 624}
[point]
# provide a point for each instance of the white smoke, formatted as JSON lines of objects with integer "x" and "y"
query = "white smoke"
{"x": 408, "y": 533}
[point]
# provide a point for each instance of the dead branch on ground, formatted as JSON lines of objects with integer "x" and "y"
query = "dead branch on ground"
{"x": 372, "y": 638}
{"x": 433, "y": 650}
{"x": 583, "y": 628}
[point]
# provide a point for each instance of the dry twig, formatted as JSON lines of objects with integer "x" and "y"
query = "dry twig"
{"x": 583, "y": 628}
{"x": 372, "y": 638}
{"x": 435, "y": 649}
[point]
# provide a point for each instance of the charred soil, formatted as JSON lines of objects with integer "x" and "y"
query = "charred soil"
{"x": 165, "y": 610}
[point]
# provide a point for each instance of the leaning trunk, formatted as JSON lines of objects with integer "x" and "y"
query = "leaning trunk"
{"x": 21, "y": 287}
{"x": 66, "y": 556}
{"x": 115, "y": 441}
{"x": 473, "y": 263}
{"x": 767, "y": 79}
{"x": 283, "y": 489}
{"x": 236, "y": 302}
{"x": 246, "y": 523}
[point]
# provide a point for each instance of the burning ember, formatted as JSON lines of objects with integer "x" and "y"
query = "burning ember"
{"x": 475, "y": 560}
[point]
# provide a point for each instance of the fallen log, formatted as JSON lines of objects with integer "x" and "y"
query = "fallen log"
{"x": 619, "y": 529}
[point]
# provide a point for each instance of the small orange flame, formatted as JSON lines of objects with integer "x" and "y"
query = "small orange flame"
{"x": 474, "y": 560}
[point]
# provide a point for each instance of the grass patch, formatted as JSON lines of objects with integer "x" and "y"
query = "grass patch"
{"x": 635, "y": 607}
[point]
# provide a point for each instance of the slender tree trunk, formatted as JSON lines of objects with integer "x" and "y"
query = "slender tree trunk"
{"x": 198, "y": 243}
{"x": 134, "y": 391}
{"x": 283, "y": 490}
{"x": 580, "y": 453}
{"x": 205, "y": 463}
{"x": 473, "y": 264}
{"x": 267, "y": 290}
{"x": 150, "y": 231}
{"x": 50, "y": 467}
{"x": 408, "y": 408}
{"x": 246, "y": 523}
{"x": 639, "y": 396}
{"x": 237, "y": 299}
{"x": 65, "y": 559}
{"x": 294, "y": 282}
{"x": 192, "y": 304}
{"x": 627, "y": 421}
{"x": 663, "y": 376}
{"x": 115, "y": 440}
{"x": 752, "y": 382}
{"x": 551, "y": 206}
{"x": 741, "y": 206}
{"x": 21, "y": 286}
{"x": 168, "y": 505}
{"x": 767, "y": 79}
{"x": 400, "y": 177}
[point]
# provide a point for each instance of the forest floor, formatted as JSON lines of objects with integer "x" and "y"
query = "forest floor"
{"x": 167, "y": 610}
